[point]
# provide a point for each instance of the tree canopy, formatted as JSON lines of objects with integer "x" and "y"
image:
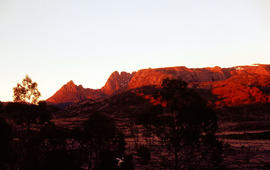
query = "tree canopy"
{"x": 26, "y": 92}
{"x": 185, "y": 126}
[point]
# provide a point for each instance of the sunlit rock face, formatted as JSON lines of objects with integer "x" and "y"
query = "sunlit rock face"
{"x": 155, "y": 76}
{"x": 247, "y": 85}
{"x": 231, "y": 86}
{"x": 71, "y": 93}
{"x": 117, "y": 82}
{"x": 209, "y": 74}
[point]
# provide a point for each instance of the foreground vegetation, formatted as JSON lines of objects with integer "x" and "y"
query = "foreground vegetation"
{"x": 173, "y": 129}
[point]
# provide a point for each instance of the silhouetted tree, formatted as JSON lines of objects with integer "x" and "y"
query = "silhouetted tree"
{"x": 27, "y": 114}
{"x": 49, "y": 150}
{"x": 128, "y": 163}
{"x": 44, "y": 112}
{"x": 27, "y": 92}
{"x": 60, "y": 159}
{"x": 51, "y": 160}
{"x": 186, "y": 126}
{"x": 144, "y": 153}
{"x": 102, "y": 137}
{"x": 5, "y": 144}
{"x": 107, "y": 161}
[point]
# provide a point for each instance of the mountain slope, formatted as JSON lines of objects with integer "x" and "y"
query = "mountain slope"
{"x": 71, "y": 93}
{"x": 147, "y": 77}
{"x": 231, "y": 86}
{"x": 117, "y": 82}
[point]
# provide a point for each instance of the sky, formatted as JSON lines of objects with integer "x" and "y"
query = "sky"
{"x": 54, "y": 41}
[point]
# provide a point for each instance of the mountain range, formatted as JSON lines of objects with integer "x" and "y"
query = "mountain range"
{"x": 227, "y": 86}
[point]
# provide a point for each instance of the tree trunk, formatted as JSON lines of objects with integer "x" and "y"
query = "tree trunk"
{"x": 175, "y": 160}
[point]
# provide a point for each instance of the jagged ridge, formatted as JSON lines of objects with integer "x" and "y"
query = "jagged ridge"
{"x": 71, "y": 93}
{"x": 232, "y": 86}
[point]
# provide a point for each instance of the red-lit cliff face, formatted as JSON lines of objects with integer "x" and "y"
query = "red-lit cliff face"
{"x": 117, "y": 82}
{"x": 232, "y": 86}
{"x": 147, "y": 77}
{"x": 248, "y": 85}
{"x": 71, "y": 93}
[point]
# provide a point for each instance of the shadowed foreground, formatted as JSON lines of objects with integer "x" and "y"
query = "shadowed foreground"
{"x": 146, "y": 128}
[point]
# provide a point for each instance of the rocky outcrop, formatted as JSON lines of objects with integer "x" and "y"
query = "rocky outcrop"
{"x": 232, "y": 86}
{"x": 71, "y": 93}
{"x": 245, "y": 88}
{"x": 155, "y": 76}
{"x": 117, "y": 82}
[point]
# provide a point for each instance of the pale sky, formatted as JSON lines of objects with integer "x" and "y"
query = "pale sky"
{"x": 54, "y": 41}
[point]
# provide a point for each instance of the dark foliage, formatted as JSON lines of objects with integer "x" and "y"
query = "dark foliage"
{"x": 104, "y": 142}
{"x": 25, "y": 114}
{"x": 145, "y": 154}
{"x": 1, "y": 106}
{"x": 5, "y": 144}
{"x": 184, "y": 129}
{"x": 186, "y": 126}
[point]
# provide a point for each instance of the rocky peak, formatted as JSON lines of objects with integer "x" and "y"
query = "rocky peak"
{"x": 116, "y": 82}
{"x": 71, "y": 93}
{"x": 224, "y": 82}
{"x": 70, "y": 83}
